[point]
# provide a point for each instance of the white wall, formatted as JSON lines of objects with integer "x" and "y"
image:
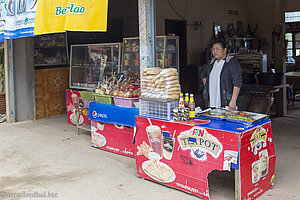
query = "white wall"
{"x": 200, "y": 10}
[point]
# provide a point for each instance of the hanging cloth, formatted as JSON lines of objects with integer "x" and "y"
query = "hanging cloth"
{"x": 70, "y": 15}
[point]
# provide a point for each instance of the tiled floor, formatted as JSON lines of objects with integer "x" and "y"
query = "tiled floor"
{"x": 50, "y": 91}
{"x": 294, "y": 110}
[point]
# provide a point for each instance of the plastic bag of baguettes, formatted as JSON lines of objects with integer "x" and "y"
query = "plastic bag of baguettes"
{"x": 160, "y": 83}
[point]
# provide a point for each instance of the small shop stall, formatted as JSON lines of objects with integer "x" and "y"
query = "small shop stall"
{"x": 112, "y": 118}
{"x": 181, "y": 154}
{"x": 96, "y": 68}
{"x": 89, "y": 64}
{"x": 113, "y": 128}
{"x": 104, "y": 96}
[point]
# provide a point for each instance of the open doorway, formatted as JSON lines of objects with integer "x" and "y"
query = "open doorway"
{"x": 178, "y": 27}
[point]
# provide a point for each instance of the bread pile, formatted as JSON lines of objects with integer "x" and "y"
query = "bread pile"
{"x": 160, "y": 83}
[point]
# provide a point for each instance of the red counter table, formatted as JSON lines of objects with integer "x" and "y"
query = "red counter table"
{"x": 181, "y": 155}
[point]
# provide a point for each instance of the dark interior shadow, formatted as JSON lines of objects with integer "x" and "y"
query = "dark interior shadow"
{"x": 221, "y": 183}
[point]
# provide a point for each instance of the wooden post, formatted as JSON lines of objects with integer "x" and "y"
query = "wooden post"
{"x": 280, "y": 57}
{"x": 237, "y": 184}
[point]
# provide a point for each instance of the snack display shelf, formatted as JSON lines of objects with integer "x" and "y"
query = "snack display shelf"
{"x": 167, "y": 53}
{"x": 50, "y": 50}
{"x": 91, "y": 63}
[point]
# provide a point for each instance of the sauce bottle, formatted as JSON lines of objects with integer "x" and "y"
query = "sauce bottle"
{"x": 181, "y": 102}
{"x": 186, "y": 100}
{"x": 192, "y": 107}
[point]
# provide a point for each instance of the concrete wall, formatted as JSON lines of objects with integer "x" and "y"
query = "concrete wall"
{"x": 200, "y": 10}
{"x": 250, "y": 12}
{"x": 24, "y": 79}
{"x": 292, "y": 5}
{"x": 261, "y": 13}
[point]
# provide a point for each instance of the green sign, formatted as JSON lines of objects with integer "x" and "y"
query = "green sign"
{"x": 72, "y": 9}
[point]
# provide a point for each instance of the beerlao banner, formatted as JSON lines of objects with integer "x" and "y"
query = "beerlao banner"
{"x": 70, "y": 15}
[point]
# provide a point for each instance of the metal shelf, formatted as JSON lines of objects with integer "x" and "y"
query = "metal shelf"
{"x": 54, "y": 64}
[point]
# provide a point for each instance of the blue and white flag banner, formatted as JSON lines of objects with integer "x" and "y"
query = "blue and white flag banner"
{"x": 17, "y": 18}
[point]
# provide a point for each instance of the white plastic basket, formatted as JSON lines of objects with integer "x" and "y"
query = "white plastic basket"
{"x": 156, "y": 109}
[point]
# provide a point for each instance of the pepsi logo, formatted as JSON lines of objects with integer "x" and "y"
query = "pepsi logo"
{"x": 94, "y": 114}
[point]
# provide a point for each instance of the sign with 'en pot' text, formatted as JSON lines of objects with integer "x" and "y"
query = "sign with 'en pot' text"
{"x": 76, "y": 15}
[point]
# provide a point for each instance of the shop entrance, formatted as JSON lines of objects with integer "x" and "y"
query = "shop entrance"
{"x": 178, "y": 27}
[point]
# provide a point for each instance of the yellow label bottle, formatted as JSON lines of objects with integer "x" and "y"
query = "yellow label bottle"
{"x": 181, "y": 101}
{"x": 192, "y": 107}
{"x": 186, "y": 100}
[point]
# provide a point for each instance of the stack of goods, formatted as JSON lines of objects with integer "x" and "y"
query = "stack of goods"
{"x": 186, "y": 108}
{"x": 160, "y": 83}
{"x": 127, "y": 87}
{"x": 121, "y": 87}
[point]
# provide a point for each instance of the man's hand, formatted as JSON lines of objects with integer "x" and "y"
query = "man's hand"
{"x": 232, "y": 105}
{"x": 235, "y": 94}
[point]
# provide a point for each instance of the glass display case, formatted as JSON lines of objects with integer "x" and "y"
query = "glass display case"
{"x": 91, "y": 63}
{"x": 50, "y": 50}
{"x": 167, "y": 53}
{"x": 131, "y": 55}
